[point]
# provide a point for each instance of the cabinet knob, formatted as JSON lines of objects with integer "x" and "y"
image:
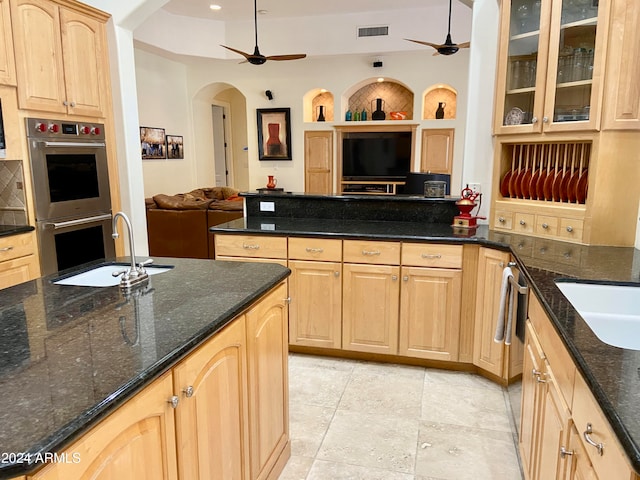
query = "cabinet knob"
{"x": 545, "y": 119}
{"x": 569, "y": 229}
{"x": 287, "y": 300}
{"x": 73, "y": 104}
{"x": 501, "y": 219}
{"x": 394, "y": 277}
{"x": 522, "y": 222}
{"x": 188, "y": 392}
{"x": 65, "y": 103}
{"x": 587, "y": 438}
{"x": 545, "y": 225}
{"x": 336, "y": 273}
{"x": 564, "y": 452}
{"x": 534, "y": 119}
{"x": 405, "y": 278}
{"x": 174, "y": 400}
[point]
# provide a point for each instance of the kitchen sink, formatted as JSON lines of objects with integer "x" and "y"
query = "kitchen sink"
{"x": 102, "y": 275}
{"x": 611, "y": 311}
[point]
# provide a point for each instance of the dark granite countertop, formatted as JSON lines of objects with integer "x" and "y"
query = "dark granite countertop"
{"x": 70, "y": 355}
{"x": 7, "y": 230}
{"x": 612, "y": 373}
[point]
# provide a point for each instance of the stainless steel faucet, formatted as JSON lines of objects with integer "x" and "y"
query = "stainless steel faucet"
{"x": 136, "y": 274}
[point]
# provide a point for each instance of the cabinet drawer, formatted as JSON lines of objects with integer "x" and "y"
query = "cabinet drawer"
{"x": 432, "y": 255}
{"x": 363, "y": 251}
{"x": 16, "y": 246}
{"x": 571, "y": 229}
{"x": 503, "y": 220}
{"x": 315, "y": 249}
{"x": 523, "y": 223}
{"x": 251, "y": 246}
{"x": 547, "y": 226}
{"x": 613, "y": 462}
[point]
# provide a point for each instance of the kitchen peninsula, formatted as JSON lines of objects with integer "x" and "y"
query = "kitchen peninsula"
{"x": 598, "y": 383}
{"x": 116, "y": 382}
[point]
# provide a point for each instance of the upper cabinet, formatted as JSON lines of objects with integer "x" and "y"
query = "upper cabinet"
{"x": 551, "y": 65}
{"x": 7, "y": 60}
{"x": 65, "y": 70}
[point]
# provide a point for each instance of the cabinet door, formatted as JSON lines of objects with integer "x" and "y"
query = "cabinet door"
{"x": 437, "y": 150}
{"x": 315, "y": 311}
{"x": 7, "y": 59}
{"x": 212, "y": 418}
{"x": 17, "y": 271}
{"x": 267, "y": 352}
{"x": 430, "y": 313}
{"x": 370, "y": 308}
{"x": 137, "y": 442}
{"x": 84, "y": 56}
{"x": 488, "y": 354}
{"x": 318, "y": 162}
{"x": 38, "y": 63}
{"x": 580, "y": 468}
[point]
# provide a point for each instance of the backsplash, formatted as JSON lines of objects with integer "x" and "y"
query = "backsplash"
{"x": 13, "y": 210}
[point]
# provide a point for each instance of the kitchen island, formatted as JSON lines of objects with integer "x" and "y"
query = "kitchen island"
{"x": 73, "y": 356}
{"x": 611, "y": 373}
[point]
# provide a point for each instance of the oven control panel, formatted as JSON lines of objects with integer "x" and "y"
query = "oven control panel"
{"x": 46, "y": 128}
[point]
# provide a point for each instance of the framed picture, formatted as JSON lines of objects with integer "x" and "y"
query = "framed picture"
{"x": 274, "y": 134}
{"x": 152, "y": 143}
{"x": 175, "y": 149}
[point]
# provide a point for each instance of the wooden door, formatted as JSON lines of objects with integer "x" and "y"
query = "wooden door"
{"x": 7, "y": 58}
{"x": 437, "y": 150}
{"x": 430, "y": 313}
{"x": 212, "y": 419}
{"x": 318, "y": 162}
{"x": 85, "y": 60}
{"x": 315, "y": 311}
{"x": 267, "y": 352}
{"x": 488, "y": 354}
{"x": 371, "y": 295}
{"x": 137, "y": 442}
{"x": 38, "y": 62}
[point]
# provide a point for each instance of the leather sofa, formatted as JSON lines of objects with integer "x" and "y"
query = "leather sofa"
{"x": 178, "y": 225}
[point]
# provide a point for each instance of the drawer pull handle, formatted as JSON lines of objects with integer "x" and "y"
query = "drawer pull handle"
{"x": 174, "y": 400}
{"x": 538, "y": 376}
{"x": 569, "y": 229}
{"x": 314, "y": 250}
{"x": 188, "y": 392}
{"x": 545, "y": 225}
{"x": 432, "y": 255}
{"x": 501, "y": 219}
{"x": 247, "y": 246}
{"x": 6, "y": 249}
{"x": 586, "y": 434}
{"x": 523, "y": 223}
{"x": 564, "y": 452}
{"x": 371, "y": 252}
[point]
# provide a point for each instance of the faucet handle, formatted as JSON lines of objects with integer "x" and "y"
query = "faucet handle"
{"x": 141, "y": 265}
{"x": 117, "y": 273}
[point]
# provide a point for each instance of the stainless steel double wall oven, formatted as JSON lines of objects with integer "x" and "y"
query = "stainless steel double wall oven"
{"x": 71, "y": 190}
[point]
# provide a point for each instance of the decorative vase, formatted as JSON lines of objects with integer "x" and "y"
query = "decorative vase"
{"x": 348, "y": 115}
{"x": 378, "y": 114}
{"x": 440, "y": 110}
{"x": 356, "y": 116}
{"x": 363, "y": 115}
{"x": 320, "y": 113}
{"x": 274, "y": 145}
{"x": 272, "y": 181}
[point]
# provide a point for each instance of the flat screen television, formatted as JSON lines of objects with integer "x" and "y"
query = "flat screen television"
{"x": 376, "y": 156}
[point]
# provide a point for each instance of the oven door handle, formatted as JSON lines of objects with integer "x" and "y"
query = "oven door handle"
{"x": 75, "y": 144}
{"x": 80, "y": 221}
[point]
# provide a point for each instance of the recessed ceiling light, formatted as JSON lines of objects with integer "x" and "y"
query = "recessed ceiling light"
{"x": 213, "y": 6}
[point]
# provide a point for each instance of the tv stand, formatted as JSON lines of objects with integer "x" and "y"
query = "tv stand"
{"x": 369, "y": 188}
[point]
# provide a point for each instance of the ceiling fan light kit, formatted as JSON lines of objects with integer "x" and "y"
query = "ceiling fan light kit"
{"x": 446, "y": 48}
{"x": 256, "y": 58}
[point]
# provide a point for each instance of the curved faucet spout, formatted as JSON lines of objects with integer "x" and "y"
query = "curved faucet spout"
{"x": 132, "y": 248}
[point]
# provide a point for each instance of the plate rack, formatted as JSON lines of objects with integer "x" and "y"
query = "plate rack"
{"x": 546, "y": 172}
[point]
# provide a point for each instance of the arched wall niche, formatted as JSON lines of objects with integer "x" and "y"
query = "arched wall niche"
{"x": 315, "y": 98}
{"x": 396, "y": 96}
{"x": 435, "y": 95}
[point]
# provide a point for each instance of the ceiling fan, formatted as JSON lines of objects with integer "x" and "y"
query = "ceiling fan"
{"x": 256, "y": 58}
{"x": 448, "y": 47}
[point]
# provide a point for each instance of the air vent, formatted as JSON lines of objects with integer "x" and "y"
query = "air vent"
{"x": 379, "y": 31}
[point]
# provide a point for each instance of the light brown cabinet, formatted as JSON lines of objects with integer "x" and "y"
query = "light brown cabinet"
{"x": 18, "y": 261}
{"x": 437, "y": 150}
{"x": 7, "y": 58}
{"x": 66, "y": 70}
{"x": 318, "y": 162}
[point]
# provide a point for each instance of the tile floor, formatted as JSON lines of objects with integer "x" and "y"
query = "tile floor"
{"x": 358, "y": 420}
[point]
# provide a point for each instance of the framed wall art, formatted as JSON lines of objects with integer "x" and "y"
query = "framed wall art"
{"x": 152, "y": 143}
{"x": 175, "y": 149}
{"x": 274, "y": 133}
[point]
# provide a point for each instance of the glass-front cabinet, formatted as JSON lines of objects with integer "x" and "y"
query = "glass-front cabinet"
{"x": 549, "y": 67}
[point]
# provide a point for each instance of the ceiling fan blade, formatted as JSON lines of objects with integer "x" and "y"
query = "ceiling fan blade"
{"x": 294, "y": 56}
{"x": 244, "y": 54}
{"x": 464, "y": 45}
{"x": 429, "y": 44}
